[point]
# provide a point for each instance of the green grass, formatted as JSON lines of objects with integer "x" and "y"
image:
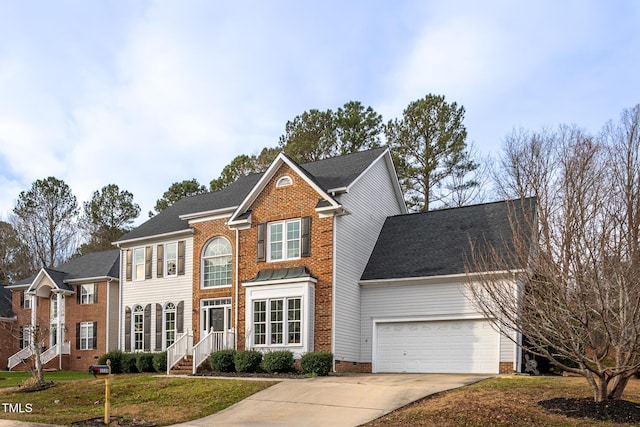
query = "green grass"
{"x": 156, "y": 399}
{"x": 13, "y": 379}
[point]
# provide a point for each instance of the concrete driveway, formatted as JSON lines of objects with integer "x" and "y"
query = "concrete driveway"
{"x": 349, "y": 400}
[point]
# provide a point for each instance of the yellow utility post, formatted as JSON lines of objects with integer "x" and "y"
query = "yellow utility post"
{"x": 100, "y": 371}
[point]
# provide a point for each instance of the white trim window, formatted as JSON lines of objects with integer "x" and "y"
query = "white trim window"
{"x": 26, "y": 300}
{"x": 284, "y": 240}
{"x": 139, "y": 264}
{"x": 284, "y": 181}
{"x": 171, "y": 259}
{"x": 138, "y": 328}
{"x": 169, "y": 324}
{"x": 277, "y": 321}
{"x": 216, "y": 263}
{"x": 88, "y": 294}
{"x": 86, "y": 336}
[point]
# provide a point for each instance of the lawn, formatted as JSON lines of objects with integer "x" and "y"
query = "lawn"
{"x": 504, "y": 401}
{"x": 156, "y": 399}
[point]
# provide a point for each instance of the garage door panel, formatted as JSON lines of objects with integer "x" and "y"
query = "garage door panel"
{"x": 452, "y": 346}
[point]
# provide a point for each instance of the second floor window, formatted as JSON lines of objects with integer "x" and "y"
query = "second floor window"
{"x": 87, "y": 294}
{"x": 216, "y": 263}
{"x": 171, "y": 259}
{"x": 284, "y": 240}
{"x": 138, "y": 264}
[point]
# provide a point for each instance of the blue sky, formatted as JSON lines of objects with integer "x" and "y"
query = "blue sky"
{"x": 143, "y": 94}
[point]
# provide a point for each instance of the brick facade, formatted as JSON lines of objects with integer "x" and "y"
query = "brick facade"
{"x": 290, "y": 202}
{"x": 203, "y": 232}
{"x": 78, "y": 360}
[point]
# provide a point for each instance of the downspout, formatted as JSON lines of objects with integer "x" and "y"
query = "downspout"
{"x": 59, "y": 337}
{"x": 107, "y": 328}
{"x": 237, "y": 263}
{"x": 333, "y": 292}
{"x": 120, "y": 306}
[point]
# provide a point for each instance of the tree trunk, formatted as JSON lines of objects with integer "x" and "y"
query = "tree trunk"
{"x": 619, "y": 384}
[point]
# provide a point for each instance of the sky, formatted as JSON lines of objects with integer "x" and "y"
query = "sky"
{"x": 143, "y": 94}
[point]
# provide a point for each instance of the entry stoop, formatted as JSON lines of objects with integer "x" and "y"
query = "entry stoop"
{"x": 183, "y": 367}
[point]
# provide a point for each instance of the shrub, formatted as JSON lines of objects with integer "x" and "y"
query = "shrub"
{"x": 116, "y": 357}
{"x": 160, "y": 362}
{"x": 129, "y": 363}
{"x": 278, "y": 361}
{"x": 222, "y": 361}
{"x": 317, "y": 363}
{"x": 247, "y": 361}
{"x": 144, "y": 362}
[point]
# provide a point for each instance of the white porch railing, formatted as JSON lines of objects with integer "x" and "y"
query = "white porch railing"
{"x": 179, "y": 349}
{"x": 52, "y": 352}
{"x": 213, "y": 341}
{"x": 19, "y": 357}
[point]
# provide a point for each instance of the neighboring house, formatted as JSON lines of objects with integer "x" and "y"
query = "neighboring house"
{"x": 8, "y": 328}
{"x": 73, "y": 310}
{"x": 417, "y": 312}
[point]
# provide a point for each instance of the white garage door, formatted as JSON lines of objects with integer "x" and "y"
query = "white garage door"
{"x": 449, "y": 346}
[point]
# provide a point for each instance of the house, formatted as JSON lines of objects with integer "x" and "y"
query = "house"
{"x": 417, "y": 312}
{"x": 8, "y": 329}
{"x": 271, "y": 262}
{"x": 320, "y": 256}
{"x": 71, "y": 310}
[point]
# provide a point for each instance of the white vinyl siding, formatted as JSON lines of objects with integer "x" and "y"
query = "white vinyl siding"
{"x": 429, "y": 301}
{"x": 369, "y": 202}
{"x": 159, "y": 290}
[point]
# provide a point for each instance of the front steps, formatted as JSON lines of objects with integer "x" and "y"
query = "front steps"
{"x": 183, "y": 367}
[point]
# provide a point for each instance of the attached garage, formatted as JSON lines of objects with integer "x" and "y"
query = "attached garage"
{"x": 443, "y": 346}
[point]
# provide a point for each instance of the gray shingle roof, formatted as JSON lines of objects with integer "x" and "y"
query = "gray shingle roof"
{"x": 96, "y": 264}
{"x": 435, "y": 243}
{"x": 335, "y": 172}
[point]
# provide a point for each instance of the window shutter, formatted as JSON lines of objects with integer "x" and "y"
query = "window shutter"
{"x": 78, "y": 294}
{"x": 180, "y": 317}
{"x": 77, "y": 336}
{"x": 262, "y": 231}
{"x": 95, "y": 292}
{"x": 160, "y": 260}
{"x": 147, "y": 262}
{"x": 21, "y": 337}
{"x": 147, "y": 327}
{"x": 158, "y": 327}
{"x": 305, "y": 236}
{"x": 181, "y": 250}
{"x": 127, "y": 329}
{"x": 95, "y": 335}
{"x": 129, "y": 271}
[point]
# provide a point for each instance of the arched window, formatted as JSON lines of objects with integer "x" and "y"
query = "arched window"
{"x": 169, "y": 324}
{"x": 284, "y": 181}
{"x": 216, "y": 263}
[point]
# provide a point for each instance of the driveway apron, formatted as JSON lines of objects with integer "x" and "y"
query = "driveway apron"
{"x": 348, "y": 400}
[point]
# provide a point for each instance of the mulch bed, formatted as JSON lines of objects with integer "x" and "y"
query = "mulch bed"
{"x": 113, "y": 422}
{"x": 618, "y": 411}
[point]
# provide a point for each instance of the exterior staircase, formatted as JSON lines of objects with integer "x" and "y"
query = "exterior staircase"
{"x": 184, "y": 366}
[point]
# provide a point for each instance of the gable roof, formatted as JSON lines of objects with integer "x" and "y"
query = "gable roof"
{"x": 329, "y": 174}
{"x": 91, "y": 266}
{"x": 435, "y": 243}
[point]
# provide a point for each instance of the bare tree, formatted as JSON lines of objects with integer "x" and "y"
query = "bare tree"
{"x": 577, "y": 303}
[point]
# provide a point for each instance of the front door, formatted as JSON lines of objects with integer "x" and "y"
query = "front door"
{"x": 215, "y": 314}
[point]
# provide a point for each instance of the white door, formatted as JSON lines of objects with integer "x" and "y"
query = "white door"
{"x": 448, "y": 346}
